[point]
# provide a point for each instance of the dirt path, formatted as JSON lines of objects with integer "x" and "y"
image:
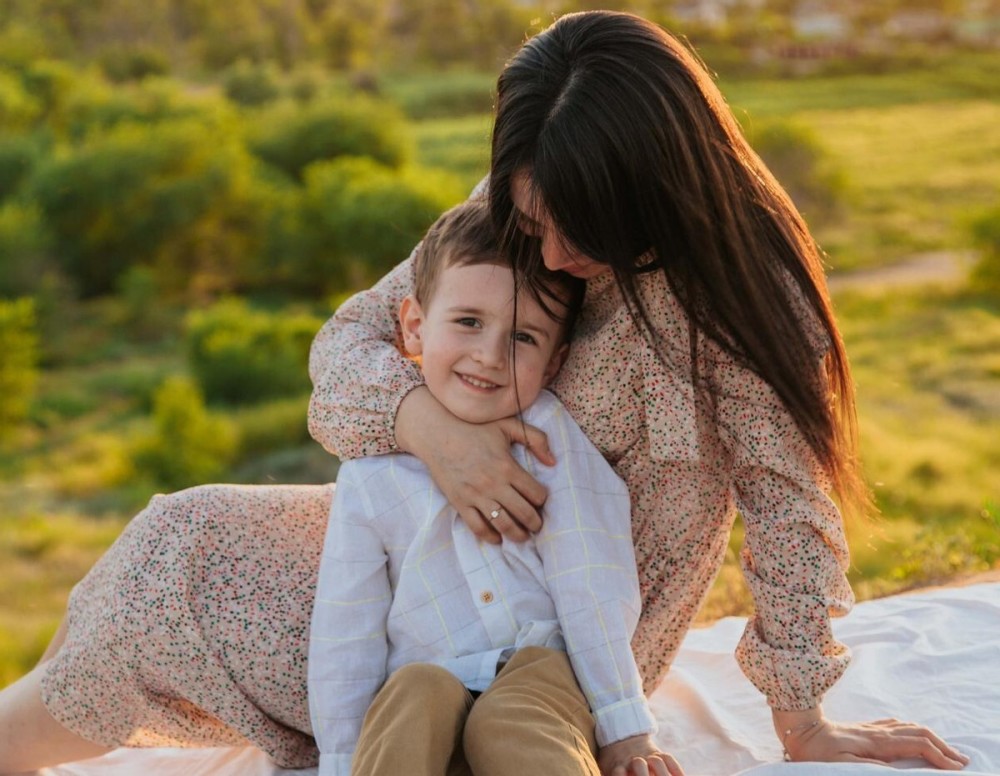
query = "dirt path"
{"x": 937, "y": 268}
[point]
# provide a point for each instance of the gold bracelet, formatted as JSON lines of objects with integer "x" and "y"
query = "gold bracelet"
{"x": 797, "y": 729}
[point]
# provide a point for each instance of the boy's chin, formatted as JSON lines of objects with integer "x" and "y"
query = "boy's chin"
{"x": 479, "y": 418}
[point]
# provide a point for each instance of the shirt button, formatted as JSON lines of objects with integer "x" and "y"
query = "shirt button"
{"x": 486, "y": 597}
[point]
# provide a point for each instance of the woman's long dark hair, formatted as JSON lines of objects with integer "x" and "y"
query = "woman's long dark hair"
{"x": 641, "y": 165}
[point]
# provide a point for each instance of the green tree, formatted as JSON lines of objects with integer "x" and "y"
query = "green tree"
{"x": 18, "y": 362}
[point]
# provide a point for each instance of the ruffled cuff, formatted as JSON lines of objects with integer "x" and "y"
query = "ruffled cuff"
{"x": 791, "y": 680}
{"x": 627, "y": 718}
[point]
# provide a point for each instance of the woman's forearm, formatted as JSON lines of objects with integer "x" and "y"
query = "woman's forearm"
{"x": 416, "y": 417}
{"x": 359, "y": 374}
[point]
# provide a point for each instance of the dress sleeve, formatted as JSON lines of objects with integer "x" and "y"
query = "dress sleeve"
{"x": 795, "y": 554}
{"x": 348, "y": 645}
{"x": 589, "y": 561}
{"x": 359, "y": 371}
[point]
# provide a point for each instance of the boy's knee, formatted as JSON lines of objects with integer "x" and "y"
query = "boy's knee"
{"x": 425, "y": 680}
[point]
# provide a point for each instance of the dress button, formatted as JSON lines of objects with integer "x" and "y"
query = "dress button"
{"x": 486, "y": 597}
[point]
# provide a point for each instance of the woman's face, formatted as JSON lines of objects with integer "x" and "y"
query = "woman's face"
{"x": 534, "y": 219}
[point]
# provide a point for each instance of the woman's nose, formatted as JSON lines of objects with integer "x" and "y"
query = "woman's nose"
{"x": 555, "y": 254}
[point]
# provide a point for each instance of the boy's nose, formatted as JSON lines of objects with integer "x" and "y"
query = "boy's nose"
{"x": 492, "y": 352}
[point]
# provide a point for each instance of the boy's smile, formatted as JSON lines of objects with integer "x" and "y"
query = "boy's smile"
{"x": 475, "y": 361}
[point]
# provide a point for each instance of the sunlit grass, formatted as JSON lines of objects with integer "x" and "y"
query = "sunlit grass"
{"x": 915, "y": 174}
{"x": 42, "y": 556}
{"x": 961, "y": 76}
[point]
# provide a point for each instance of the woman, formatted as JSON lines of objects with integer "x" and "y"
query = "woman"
{"x": 706, "y": 367}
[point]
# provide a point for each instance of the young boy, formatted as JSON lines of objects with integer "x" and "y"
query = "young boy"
{"x": 433, "y": 653}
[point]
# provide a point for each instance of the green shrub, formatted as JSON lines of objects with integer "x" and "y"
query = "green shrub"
{"x": 986, "y": 235}
{"x": 126, "y": 197}
{"x": 365, "y": 218}
{"x": 21, "y": 42}
{"x": 24, "y": 247}
{"x": 188, "y": 445}
{"x": 18, "y": 109}
{"x": 133, "y": 63}
{"x": 18, "y": 362}
{"x": 275, "y": 425}
{"x": 247, "y": 83}
{"x": 241, "y": 355}
{"x": 291, "y": 138}
{"x": 18, "y": 156}
{"x": 94, "y": 106}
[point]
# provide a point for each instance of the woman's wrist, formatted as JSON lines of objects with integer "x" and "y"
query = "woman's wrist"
{"x": 411, "y": 417}
{"x": 793, "y": 727}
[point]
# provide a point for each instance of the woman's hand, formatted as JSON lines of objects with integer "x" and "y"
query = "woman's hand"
{"x": 881, "y": 742}
{"x": 473, "y": 466}
{"x": 636, "y": 756}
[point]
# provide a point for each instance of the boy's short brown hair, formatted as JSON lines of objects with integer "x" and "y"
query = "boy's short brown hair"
{"x": 464, "y": 236}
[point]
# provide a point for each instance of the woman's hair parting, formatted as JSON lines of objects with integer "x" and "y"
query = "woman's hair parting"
{"x": 632, "y": 150}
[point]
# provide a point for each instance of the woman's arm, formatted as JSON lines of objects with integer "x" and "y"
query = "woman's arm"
{"x": 795, "y": 560}
{"x": 359, "y": 371}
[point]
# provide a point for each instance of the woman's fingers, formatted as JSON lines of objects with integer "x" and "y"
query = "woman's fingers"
{"x": 882, "y": 741}
{"x": 503, "y": 521}
{"x": 901, "y": 740}
{"x": 532, "y": 438}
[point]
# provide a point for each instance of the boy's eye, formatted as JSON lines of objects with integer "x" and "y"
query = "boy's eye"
{"x": 472, "y": 322}
{"x": 523, "y": 336}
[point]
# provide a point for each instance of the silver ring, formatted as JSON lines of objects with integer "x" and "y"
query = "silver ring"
{"x": 495, "y": 513}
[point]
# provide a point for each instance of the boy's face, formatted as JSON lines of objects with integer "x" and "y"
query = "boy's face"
{"x": 467, "y": 341}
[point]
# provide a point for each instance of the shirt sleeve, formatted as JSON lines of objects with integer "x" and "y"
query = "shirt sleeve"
{"x": 359, "y": 371}
{"x": 795, "y": 554}
{"x": 589, "y": 560}
{"x": 348, "y": 646}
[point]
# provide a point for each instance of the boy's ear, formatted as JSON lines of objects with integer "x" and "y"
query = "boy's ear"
{"x": 555, "y": 363}
{"x": 411, "y": 319}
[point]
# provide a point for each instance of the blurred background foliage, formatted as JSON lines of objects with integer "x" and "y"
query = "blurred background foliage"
{"x": 188, "y": 189}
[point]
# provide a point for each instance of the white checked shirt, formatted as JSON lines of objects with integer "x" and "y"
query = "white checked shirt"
{"x": 403, "y": 580}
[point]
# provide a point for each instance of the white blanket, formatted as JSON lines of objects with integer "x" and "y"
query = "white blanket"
{"x": 931, "y": 657}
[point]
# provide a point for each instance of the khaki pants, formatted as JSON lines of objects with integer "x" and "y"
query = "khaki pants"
{"x": 532, "y": 719}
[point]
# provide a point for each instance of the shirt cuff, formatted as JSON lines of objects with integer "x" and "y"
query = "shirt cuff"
{"x": 335, "y": 764}
{"x": 627, "y": 718}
